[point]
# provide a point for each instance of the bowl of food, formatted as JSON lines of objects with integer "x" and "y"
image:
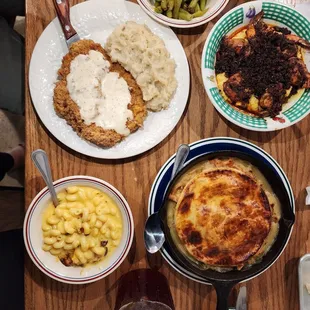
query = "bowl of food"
{"x": 227, "y": 216}
{"x": 86, "y": 237}
{"x": 255, "y": 66}
{"x": 183, "y": 14}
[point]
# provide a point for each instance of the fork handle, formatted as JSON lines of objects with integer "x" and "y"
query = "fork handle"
{"x": 63, "y": 12}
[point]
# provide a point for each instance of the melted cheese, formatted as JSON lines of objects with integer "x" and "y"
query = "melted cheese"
{"x": 273, "y": 201}
{"x": 87, "y": 226}
{"x": 221, "y": 79}
{"x": 240, "y": 35}
{"x": 253, "y": 104}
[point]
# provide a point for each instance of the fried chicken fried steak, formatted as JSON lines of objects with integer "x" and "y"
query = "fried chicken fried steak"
{"x": 70, "y": 111}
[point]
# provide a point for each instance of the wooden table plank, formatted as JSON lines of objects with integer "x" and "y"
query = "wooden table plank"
{"x": 276, "y": 289}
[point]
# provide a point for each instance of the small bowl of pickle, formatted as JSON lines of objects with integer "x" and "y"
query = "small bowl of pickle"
{"x": 183, "y": 13}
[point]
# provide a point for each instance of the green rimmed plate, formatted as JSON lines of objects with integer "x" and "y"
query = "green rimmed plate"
{"x": 298, "y": 107}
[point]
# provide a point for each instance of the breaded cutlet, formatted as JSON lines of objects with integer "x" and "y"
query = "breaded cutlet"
{"x": 66, "y": 108}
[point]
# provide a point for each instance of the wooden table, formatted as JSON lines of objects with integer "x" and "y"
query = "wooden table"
{"x": 276, "y": 289}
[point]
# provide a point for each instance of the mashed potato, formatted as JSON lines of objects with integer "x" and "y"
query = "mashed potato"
{"x": 146, "y": 57}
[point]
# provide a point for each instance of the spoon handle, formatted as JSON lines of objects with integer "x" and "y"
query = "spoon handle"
{"x": 40, "y": 159}
{"x": 180, "y": 158}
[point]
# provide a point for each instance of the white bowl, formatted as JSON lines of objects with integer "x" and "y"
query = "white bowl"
{"x": 215, "y": 8}
{"x": 48, "y": 263}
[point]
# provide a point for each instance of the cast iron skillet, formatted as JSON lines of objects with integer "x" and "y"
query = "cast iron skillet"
{"x": 224, "y": 282}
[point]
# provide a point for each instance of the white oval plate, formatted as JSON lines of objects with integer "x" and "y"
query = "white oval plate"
{"x": 215, "y": 8}
{"x": 96, "y": 20}
{"x": 49, "y": 264}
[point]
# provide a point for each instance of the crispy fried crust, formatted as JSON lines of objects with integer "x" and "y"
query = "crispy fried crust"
{"x": 223, "y": 217}
{"x": 69, "y": 110}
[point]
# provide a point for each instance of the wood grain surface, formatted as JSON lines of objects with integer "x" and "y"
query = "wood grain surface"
{"x": 276, "y": 289}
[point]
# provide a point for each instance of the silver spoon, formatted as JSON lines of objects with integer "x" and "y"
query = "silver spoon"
{"x": 154, "y": 237}
{"x": 40, "y": 159}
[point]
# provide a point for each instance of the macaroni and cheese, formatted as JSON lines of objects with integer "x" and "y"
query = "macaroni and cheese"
{"x": 84, "y": 228}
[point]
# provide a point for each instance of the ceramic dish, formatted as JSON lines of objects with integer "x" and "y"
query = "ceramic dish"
{"x": 200, "y": 148}
{"x": 278, "y": 14}
{"x": 48, "y": 263}
{"x": 223, "y": 282}
{"x": 215, "y": 8}
{"x": 304, "y": 277}
{"x": 96, "y": 20}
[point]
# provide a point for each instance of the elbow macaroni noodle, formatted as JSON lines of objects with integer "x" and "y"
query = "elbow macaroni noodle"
{"x": 84, "y": 228}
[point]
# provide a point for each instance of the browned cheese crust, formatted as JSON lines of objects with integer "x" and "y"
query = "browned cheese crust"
{"x": 223, "y": 217}
{"x": 66, "y": 108}
{"x": 181, "y": 182}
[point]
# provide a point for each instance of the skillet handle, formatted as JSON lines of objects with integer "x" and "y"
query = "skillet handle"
{"x": 222, "y": 292}
{"x": 63, "y": 12}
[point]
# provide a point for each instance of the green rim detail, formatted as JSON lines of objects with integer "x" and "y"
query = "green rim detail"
{"x": 241, "y": 118}
{"x": 231, "y": 21}
{"x": 289, "y": 17}
{"x": 301, "y": 107}
{"x": 274, "y": 11}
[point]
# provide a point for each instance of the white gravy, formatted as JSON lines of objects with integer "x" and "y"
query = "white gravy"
{"x": 102, "y": 96}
